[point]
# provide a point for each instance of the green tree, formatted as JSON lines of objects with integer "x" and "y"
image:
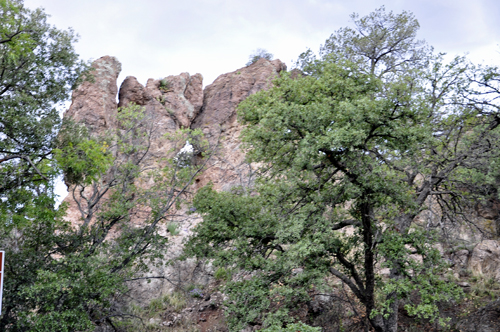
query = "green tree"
{"x": 59, "y": 276}
{"x": 350, "y": 156}
{"x": 64, "y": 277}
{"x": 38, "y": 68}
{"x": 382, "y": 44}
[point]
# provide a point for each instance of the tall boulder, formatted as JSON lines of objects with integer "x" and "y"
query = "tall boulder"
{"x": 94, "y": 101}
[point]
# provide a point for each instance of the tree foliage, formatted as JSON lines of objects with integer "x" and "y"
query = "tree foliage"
{"x": 350, "y": 156}
{"x": 38, "y": 68}
{"x": 67, "y": 277}
{"x": 61, "y": 276}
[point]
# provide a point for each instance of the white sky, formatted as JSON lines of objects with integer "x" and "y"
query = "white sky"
{"x": 157, "y": 38}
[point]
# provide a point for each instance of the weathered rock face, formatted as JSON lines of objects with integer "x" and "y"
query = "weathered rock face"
{"x": 181, "y": 96}
{"x": 218, "y": 121}
{"x": 489, "y": 210}
{"x": 94, "y": 103}
{"x": 485, "y": 259}
{"x": 485, "y": 319}
{"x": 228, "y": 90}
{"x": 172, "y": 103}
{"x": 460, "y": 258}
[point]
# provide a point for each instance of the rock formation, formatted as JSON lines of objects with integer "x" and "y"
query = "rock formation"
{"x": 485, "y": 259}
{"x": 94, "y": 101}
{"x": 176, "y": 102}
{"x": 218, "y": 121}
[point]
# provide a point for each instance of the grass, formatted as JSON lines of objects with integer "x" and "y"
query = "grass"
{"x": 173, "y": 229}
{"x": 164, "y": 85}
{"x": 484, "y": 286}
{"x": 148, "y": 318}
{"x": 222, "y": 274}
{"x": 177, "y": 301}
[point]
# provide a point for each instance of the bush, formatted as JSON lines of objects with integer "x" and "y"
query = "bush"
{"x": 295, "y": 327}
{"x": 259, "y": 54}
{"x": 222, "y": 274}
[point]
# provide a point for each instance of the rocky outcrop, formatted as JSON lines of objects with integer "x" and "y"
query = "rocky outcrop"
{"x": 181, "y": 96}
{"x": 228, "y": 90}
{"x": 94, "y": 101}
{"x": 172, "y": 103}
{"x": 485, "y": 259}
{"x": 489, "y": 209}
{"x": 176, "y": 102}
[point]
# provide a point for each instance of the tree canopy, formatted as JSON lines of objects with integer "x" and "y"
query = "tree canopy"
{"x": 350, "y": 156}
{"x": 38, "y": 69}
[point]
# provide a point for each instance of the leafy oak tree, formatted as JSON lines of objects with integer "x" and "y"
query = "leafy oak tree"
{"x": 38, "y": 68}
{"x": 349, "y": 157}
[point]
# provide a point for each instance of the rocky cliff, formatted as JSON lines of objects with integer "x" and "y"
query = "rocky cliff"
{"x": 176, "y": 102}
{"x": 179, "y": 102}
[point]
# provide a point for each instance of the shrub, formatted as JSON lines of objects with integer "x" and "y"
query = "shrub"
{"x": 259, "y": 54}
{"x": 173, "y": 229}
{"x": 295, "y": 327}
{"x": 222, "y": 274}
{"x": 164, "y": 85}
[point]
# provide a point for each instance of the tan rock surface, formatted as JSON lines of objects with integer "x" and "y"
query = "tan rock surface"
{"x": 218, "y": 121}
{"x": 94, "y": 103}
{"x": 181, "y": 95}
{"x": 485, "y": 259}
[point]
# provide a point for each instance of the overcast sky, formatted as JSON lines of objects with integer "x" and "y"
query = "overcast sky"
{"x": 157, "y": 38}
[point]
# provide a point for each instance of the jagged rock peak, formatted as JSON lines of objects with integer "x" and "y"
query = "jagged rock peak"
{"x": 228, "y": 90}
{"x": 94, "y": 101}
{"x": 180, "y": 95}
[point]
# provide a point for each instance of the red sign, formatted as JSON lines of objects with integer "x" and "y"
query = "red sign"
{"x": 2, "y": 259}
